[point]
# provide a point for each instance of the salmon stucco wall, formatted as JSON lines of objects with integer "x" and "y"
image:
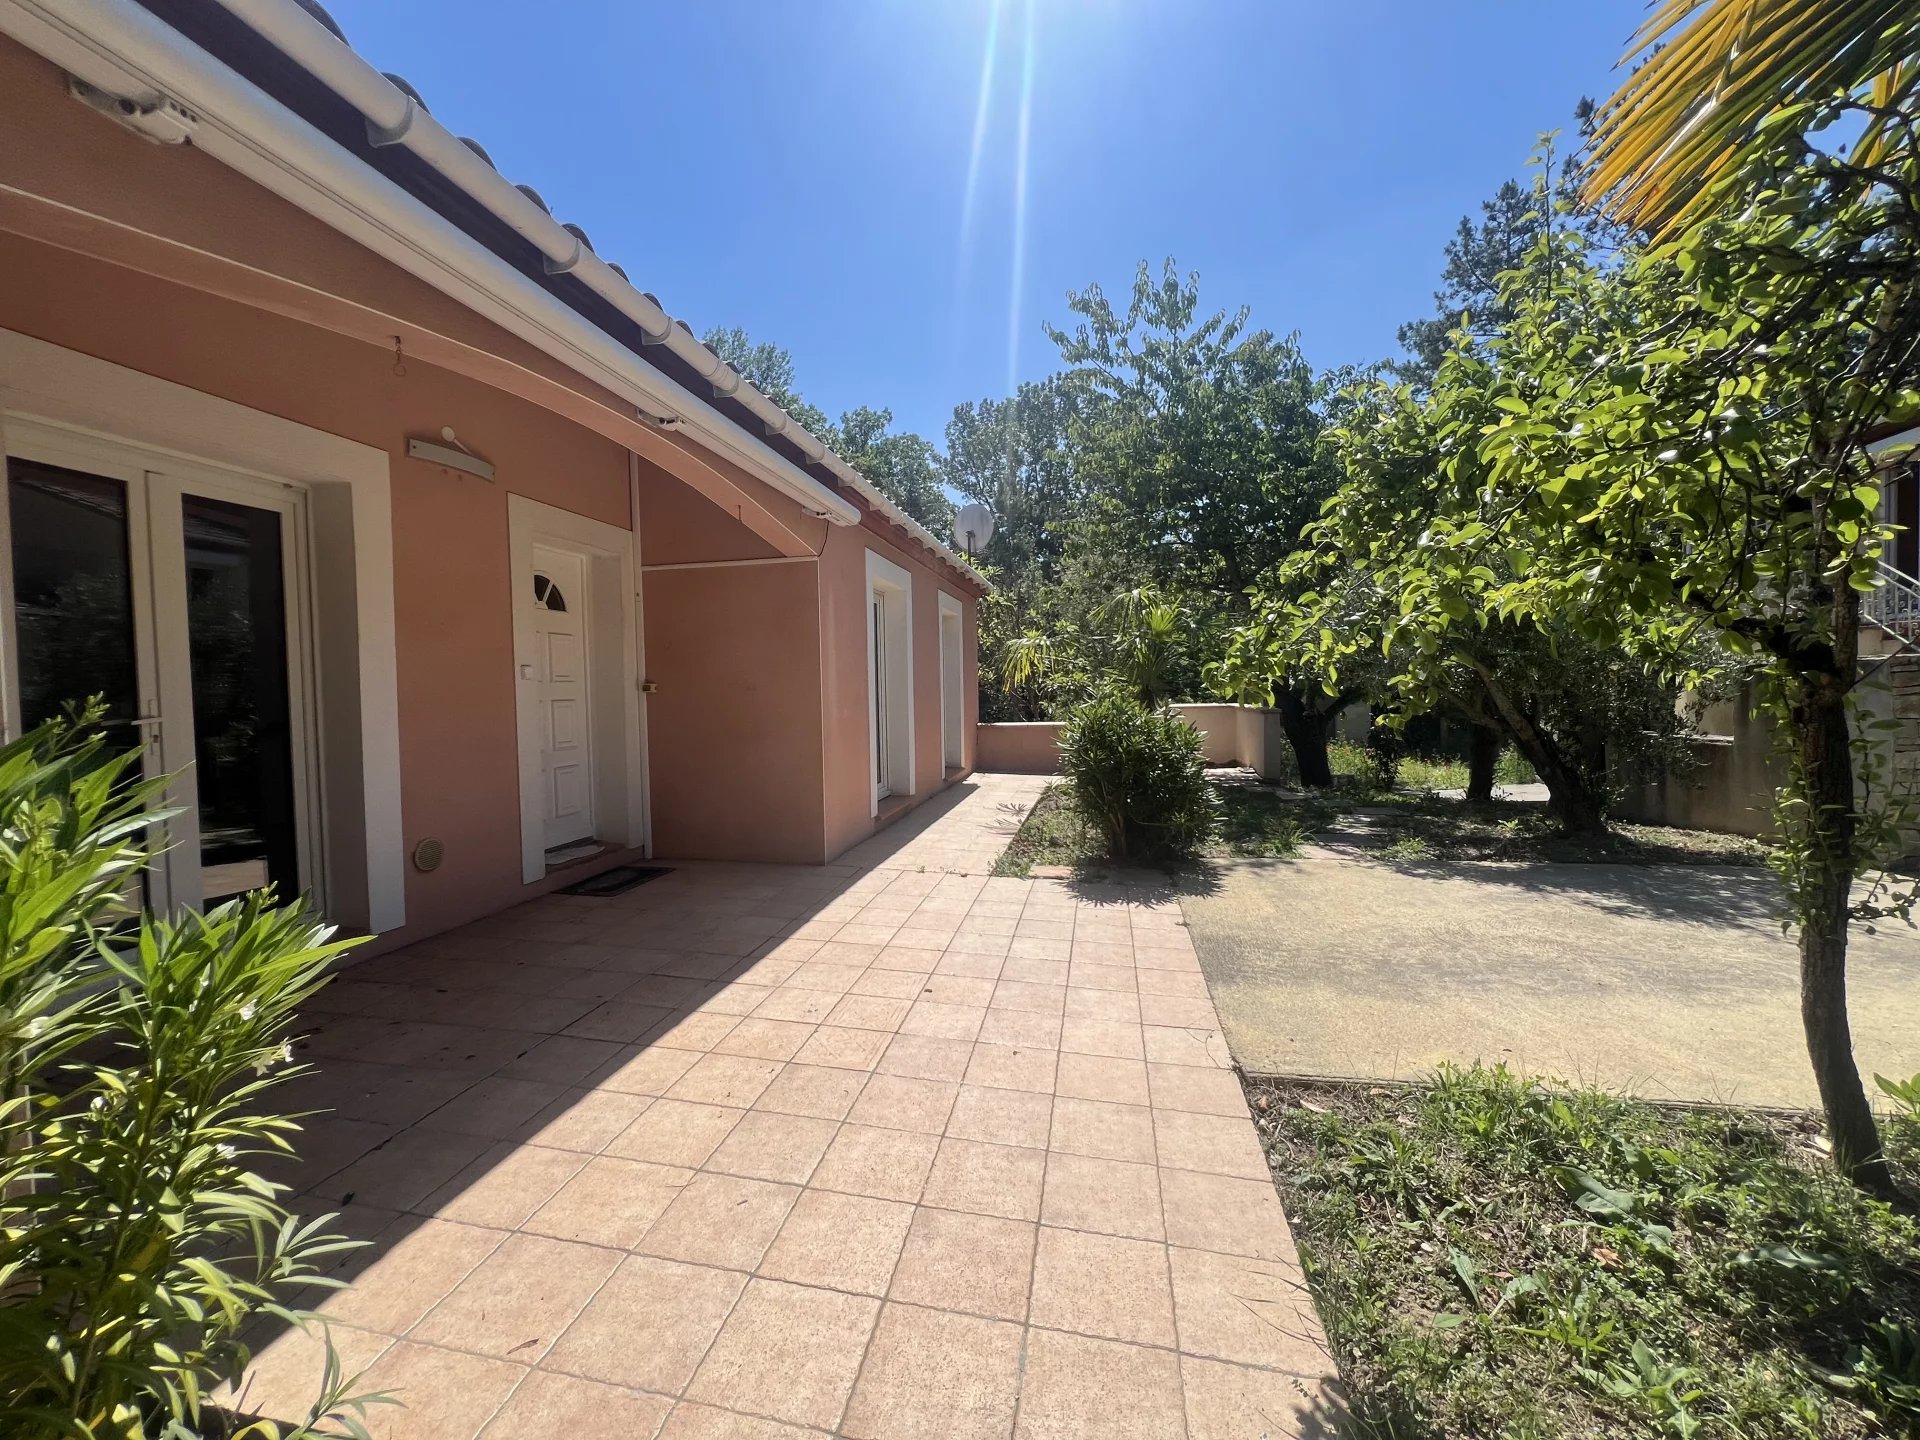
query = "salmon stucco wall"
{"x": 843, "y": 649}
{"x": 452, "y": 611}
{"x": 733, "y": 727}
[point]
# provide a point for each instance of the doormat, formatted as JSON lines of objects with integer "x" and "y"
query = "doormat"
{"x": 617, "y": 881}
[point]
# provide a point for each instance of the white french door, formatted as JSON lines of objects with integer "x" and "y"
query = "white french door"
{"x": 178, "y": 594}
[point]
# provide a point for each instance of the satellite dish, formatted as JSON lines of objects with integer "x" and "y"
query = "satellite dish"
{"x": 973, "y": 527}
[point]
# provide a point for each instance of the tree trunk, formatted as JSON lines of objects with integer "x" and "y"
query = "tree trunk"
{"x": 1825, "y": 759}
{"x": 1483, "y": 760}
{"x": 1306, "y": 731}
{"x": 1577, "y": 806}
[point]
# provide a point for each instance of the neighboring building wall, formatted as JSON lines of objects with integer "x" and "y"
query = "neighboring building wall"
{"x": 1247, "y": 735}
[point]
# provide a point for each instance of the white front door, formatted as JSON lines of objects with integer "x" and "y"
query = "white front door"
{"x": 557, "y": 604}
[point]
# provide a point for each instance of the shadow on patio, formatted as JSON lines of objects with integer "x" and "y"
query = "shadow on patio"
{"x": 868, "y": 1149}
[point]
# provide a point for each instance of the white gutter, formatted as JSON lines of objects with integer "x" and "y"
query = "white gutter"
{"x": 395, "y": 118}
{"x": 110, "y": 43}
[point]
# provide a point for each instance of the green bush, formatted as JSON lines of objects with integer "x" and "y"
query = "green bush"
{"x": 1138, "y": 777}
{"x": 137, "y": 1237}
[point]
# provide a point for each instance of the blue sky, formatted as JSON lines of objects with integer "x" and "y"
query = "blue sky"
{"x": 802, "y": 168}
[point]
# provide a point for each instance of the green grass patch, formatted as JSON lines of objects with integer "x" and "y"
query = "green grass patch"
{"x": 1491, "y": 1258}
{"x": 1256, "y": 822}
{"x": 1351, "y": 762}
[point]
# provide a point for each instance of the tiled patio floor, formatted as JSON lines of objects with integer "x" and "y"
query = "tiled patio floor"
{"x": 763, "y": 1152}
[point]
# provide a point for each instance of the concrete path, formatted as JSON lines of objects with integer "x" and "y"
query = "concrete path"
{"x": 1672, "y": 981}
{"x": 764, "y": 1153}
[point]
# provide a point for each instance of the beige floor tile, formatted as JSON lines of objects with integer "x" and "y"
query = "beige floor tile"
{"x": 789, "y": 1352}
{"x": 914, "y": 951}
{"x": 949, "y": 989}
{"x": 649, "y": 1325}
{"x": 843, "y": 1049}
{"x": 651, "y": 1071}
{"x": 407, "y": 1169}
{"x": 1001, "y": 1117}
{"x": 1032, "y": 970}
{"x": 1102, "y": 1130}
{"x": 1102, "y": 1077}
{"x": 587, "y": 1122}
{"x": 548, "y": 1404}
{"x": 1218, "y": 1144}
{"x": 763, "y": 1039}
{"x": 721, "y": 1220}
{"x": 518, "y": 1300}
{"x": 1187, "y": 1045}
{"x": 675, "y": 1132}
{"x": 1095, "y": 975}
{"x": 623, "y": 1021}
{"x": 869, "y": 1012}
{"x": 797, "y": 1005}
{"x": 1102, "y": 1285}
{"x": 1077, "y": 1388}
{"x": 900, "y": 1102}
{"x": 1013, "y": 1067}
{"x": 564, "y": 1060}
{"x": 813, "y": 1090}
{"x": 1004, "y": 1180}
{"x": 888, "y": 984}
{"x": 701, "y": 1030}
{"x": 444, "y": 1395}
{"x": 1110, "y": 1197}
{"x": 609, "y": 1202}
{"x": 496, "y": 1108}
{"x": 737, "y": 998}
{"x": 725, "y": 1080}
{"x": 1225, "y": 1215}
{"x": 766, "y": 1146}
{"x": 926, "y": 1057}
{"x": 868, "y": 1160}
{"x": 980, "y": 1264}
{"x": 941, "y": 1021}
{"x": 409, "y": 1270}
{"x": 827, "y": 976}
{"x": 1252, "y": 1312}
{"x": 1027, "y": 996}
{"x": 1198, "y": 1088}
{"x": 1025, "y": 1028}
{"x": 1117, "y": 1038}
{"x": 706, "y": 1422}
{"x": 1178, "y": 1010}
{"x": 1121, "y": 1006}
{"x": 289, "y": 1372}
{"x": 1229, "y": 1402}
{"x": 841, "y": 1242}
{"x": 505, "y": 1185}
{"x": 1027, "y": 947}
{"x": 933, "y": 1376}
{"x": 1190, "y": 984}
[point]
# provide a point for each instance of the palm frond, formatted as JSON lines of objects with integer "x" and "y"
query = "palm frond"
{"x": 1712, "y": 71}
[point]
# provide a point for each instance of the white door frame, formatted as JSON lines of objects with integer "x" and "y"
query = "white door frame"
{"x": 155, "y": 484}
{"x": 890, "y": 658}
{"x": 614, "y": 685}
{"x": 350, "y": 513}
{"x": 953, "y": 667}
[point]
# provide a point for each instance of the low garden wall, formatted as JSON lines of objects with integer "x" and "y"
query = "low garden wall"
{"x": 1233, "y": 734}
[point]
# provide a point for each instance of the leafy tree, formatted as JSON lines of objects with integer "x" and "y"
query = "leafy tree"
{"x": 1679, "y": 447}
{"x": 1478, "y": 256}
{"x": 1196, "y": 439}
{"x": 904, "y": 466}
{"x": 769, "y": 369}
{"x": 1716, "y": 79}
{"x": 1014, "y": 457}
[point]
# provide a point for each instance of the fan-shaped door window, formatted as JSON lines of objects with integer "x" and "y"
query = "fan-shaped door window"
{"x": 548, "y": 595}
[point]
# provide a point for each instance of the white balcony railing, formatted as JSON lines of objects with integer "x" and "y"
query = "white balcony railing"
{"x": 1894, "y": 604}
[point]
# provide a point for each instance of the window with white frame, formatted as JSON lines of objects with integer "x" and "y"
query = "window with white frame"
{"x": 889, "y": 677}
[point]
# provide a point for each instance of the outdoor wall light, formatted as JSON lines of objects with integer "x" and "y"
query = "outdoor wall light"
{"x": 461, "y": 458}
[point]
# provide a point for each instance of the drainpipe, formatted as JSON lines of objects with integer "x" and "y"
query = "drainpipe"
{"x": 394, "y": 117}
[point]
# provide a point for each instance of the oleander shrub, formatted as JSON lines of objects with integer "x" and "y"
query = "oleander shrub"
{"x": 1138, "y": 778}
{"x": 138, "y": 1056}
